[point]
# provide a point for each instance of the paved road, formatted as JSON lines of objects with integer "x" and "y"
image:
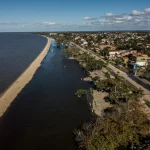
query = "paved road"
{"x": 127, "y": 76}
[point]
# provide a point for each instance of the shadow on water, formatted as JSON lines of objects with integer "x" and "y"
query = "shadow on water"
{"x": 45, "y": 113}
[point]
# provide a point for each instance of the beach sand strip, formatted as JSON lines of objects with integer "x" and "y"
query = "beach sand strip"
{"x": 12, "y": 92}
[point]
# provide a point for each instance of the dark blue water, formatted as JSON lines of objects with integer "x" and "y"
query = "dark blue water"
{"x": 17, "y": 51}
{"x": 46, "y": 112}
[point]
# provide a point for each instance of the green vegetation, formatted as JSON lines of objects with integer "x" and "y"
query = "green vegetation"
{"x": 105, "y": 52}
{"x": 117, "y": 62}
{"x": 90, "y": 64}
{"x": 85, "y": 57}
{"x": 122, "y": 124}
{"x": 118, "y": 90}
{"x": 94, "y": 65}
{"x": 96, "y": 79}
{"x": 121, "y": 127}
{"x": 147, "y": 103}
{"x": 81, "y": 92}
{"x": 71, "y": 52}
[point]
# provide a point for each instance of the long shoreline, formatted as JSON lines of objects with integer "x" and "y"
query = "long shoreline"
{"x": 11, "y": 93}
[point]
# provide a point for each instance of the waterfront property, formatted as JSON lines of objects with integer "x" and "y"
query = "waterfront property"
{"x": 138, "y": 63}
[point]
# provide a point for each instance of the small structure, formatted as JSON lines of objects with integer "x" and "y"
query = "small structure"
{"x": 148, "y": 46}
{"x": 138, "y": 63}
{"x": 139, "y": 59}
{"x": 125, "y": 60}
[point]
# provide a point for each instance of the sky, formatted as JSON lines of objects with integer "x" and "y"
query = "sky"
{"x": 77, "y": 15}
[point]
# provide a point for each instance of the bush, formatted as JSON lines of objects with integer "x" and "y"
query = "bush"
{"x": 147, "y": 103}
{"x": 81, "y": 92}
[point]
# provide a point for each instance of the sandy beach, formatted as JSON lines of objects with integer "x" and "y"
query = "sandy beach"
{"x": 20, "y": 83}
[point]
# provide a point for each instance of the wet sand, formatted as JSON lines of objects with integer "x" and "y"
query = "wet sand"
{"x": 20, "y": 83}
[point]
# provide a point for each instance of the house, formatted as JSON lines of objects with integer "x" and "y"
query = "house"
{"x": 140, "y": 60}
{"x": 121, "y": 53}
{"x": 138, "y": 63}
{"x": 148, "y": 46}
{"x": 85, "y": 43}
{"x": 147, "y": 71}
{"x": 148, "y": 63}
{"x": 113, "y": 54}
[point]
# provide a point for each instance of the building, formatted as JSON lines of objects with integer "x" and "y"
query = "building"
{"x": 121, "y": 53}
{"x": 147, "y": 71}
{"x": 139, "y": 60}
{"x": 148, "y": 63}
{"x": 138, "y": 63}
{"x": 148, "y": 46}
{"x": 113, "y": 54}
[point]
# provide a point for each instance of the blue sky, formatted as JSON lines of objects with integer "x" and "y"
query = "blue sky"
{"x": 77, "y": 15}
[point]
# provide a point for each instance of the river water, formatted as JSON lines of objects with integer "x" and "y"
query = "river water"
{"x": 17, "y": 51}
{"x": 46, "y": 112}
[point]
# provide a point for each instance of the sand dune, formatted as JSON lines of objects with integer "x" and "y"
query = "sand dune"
{"x": 20, "y": 83}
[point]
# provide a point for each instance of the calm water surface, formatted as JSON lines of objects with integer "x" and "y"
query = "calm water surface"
{"x": 17, "y": 51}
{"x": 45, "y": 113}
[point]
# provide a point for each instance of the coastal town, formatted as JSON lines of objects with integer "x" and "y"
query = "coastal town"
{"x": 128, "y": 50}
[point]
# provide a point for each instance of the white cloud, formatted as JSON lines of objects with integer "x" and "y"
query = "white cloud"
{"x": 125, "y": 18}
{"x": 147, "y": 10}
{"x": 101, "y": 22}
{"x": 89, "y": 18}
{"x": 129, "y": 18}
{"x": 118, "y": 21}
{"x": 137, "y": 13}
{"x": 138, "y": 20}
{"x": 109, "y": 14}
{"x": 48, "y": 23}
{"x": 11, "y": 23}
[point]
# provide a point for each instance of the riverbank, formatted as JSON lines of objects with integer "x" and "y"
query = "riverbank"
{"x": 20, "y": 83}
{"x": 98, "y": 103}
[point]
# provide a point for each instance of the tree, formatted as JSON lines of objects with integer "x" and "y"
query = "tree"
{"x": 81, "y": 92}
{"x": 71, "y": 51}
{"x": 117, "y": 61}
{"x": 67, "y": 52}
{"x": 109, "y": 132}
{"x": 105, "y": 52}
{"x": 94, "y": 65}
{"x": 85, "y": 57}
{"x": 107, "y": 75}
{"x": 96, "y": 79}
{"x": 118, "y": 90}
